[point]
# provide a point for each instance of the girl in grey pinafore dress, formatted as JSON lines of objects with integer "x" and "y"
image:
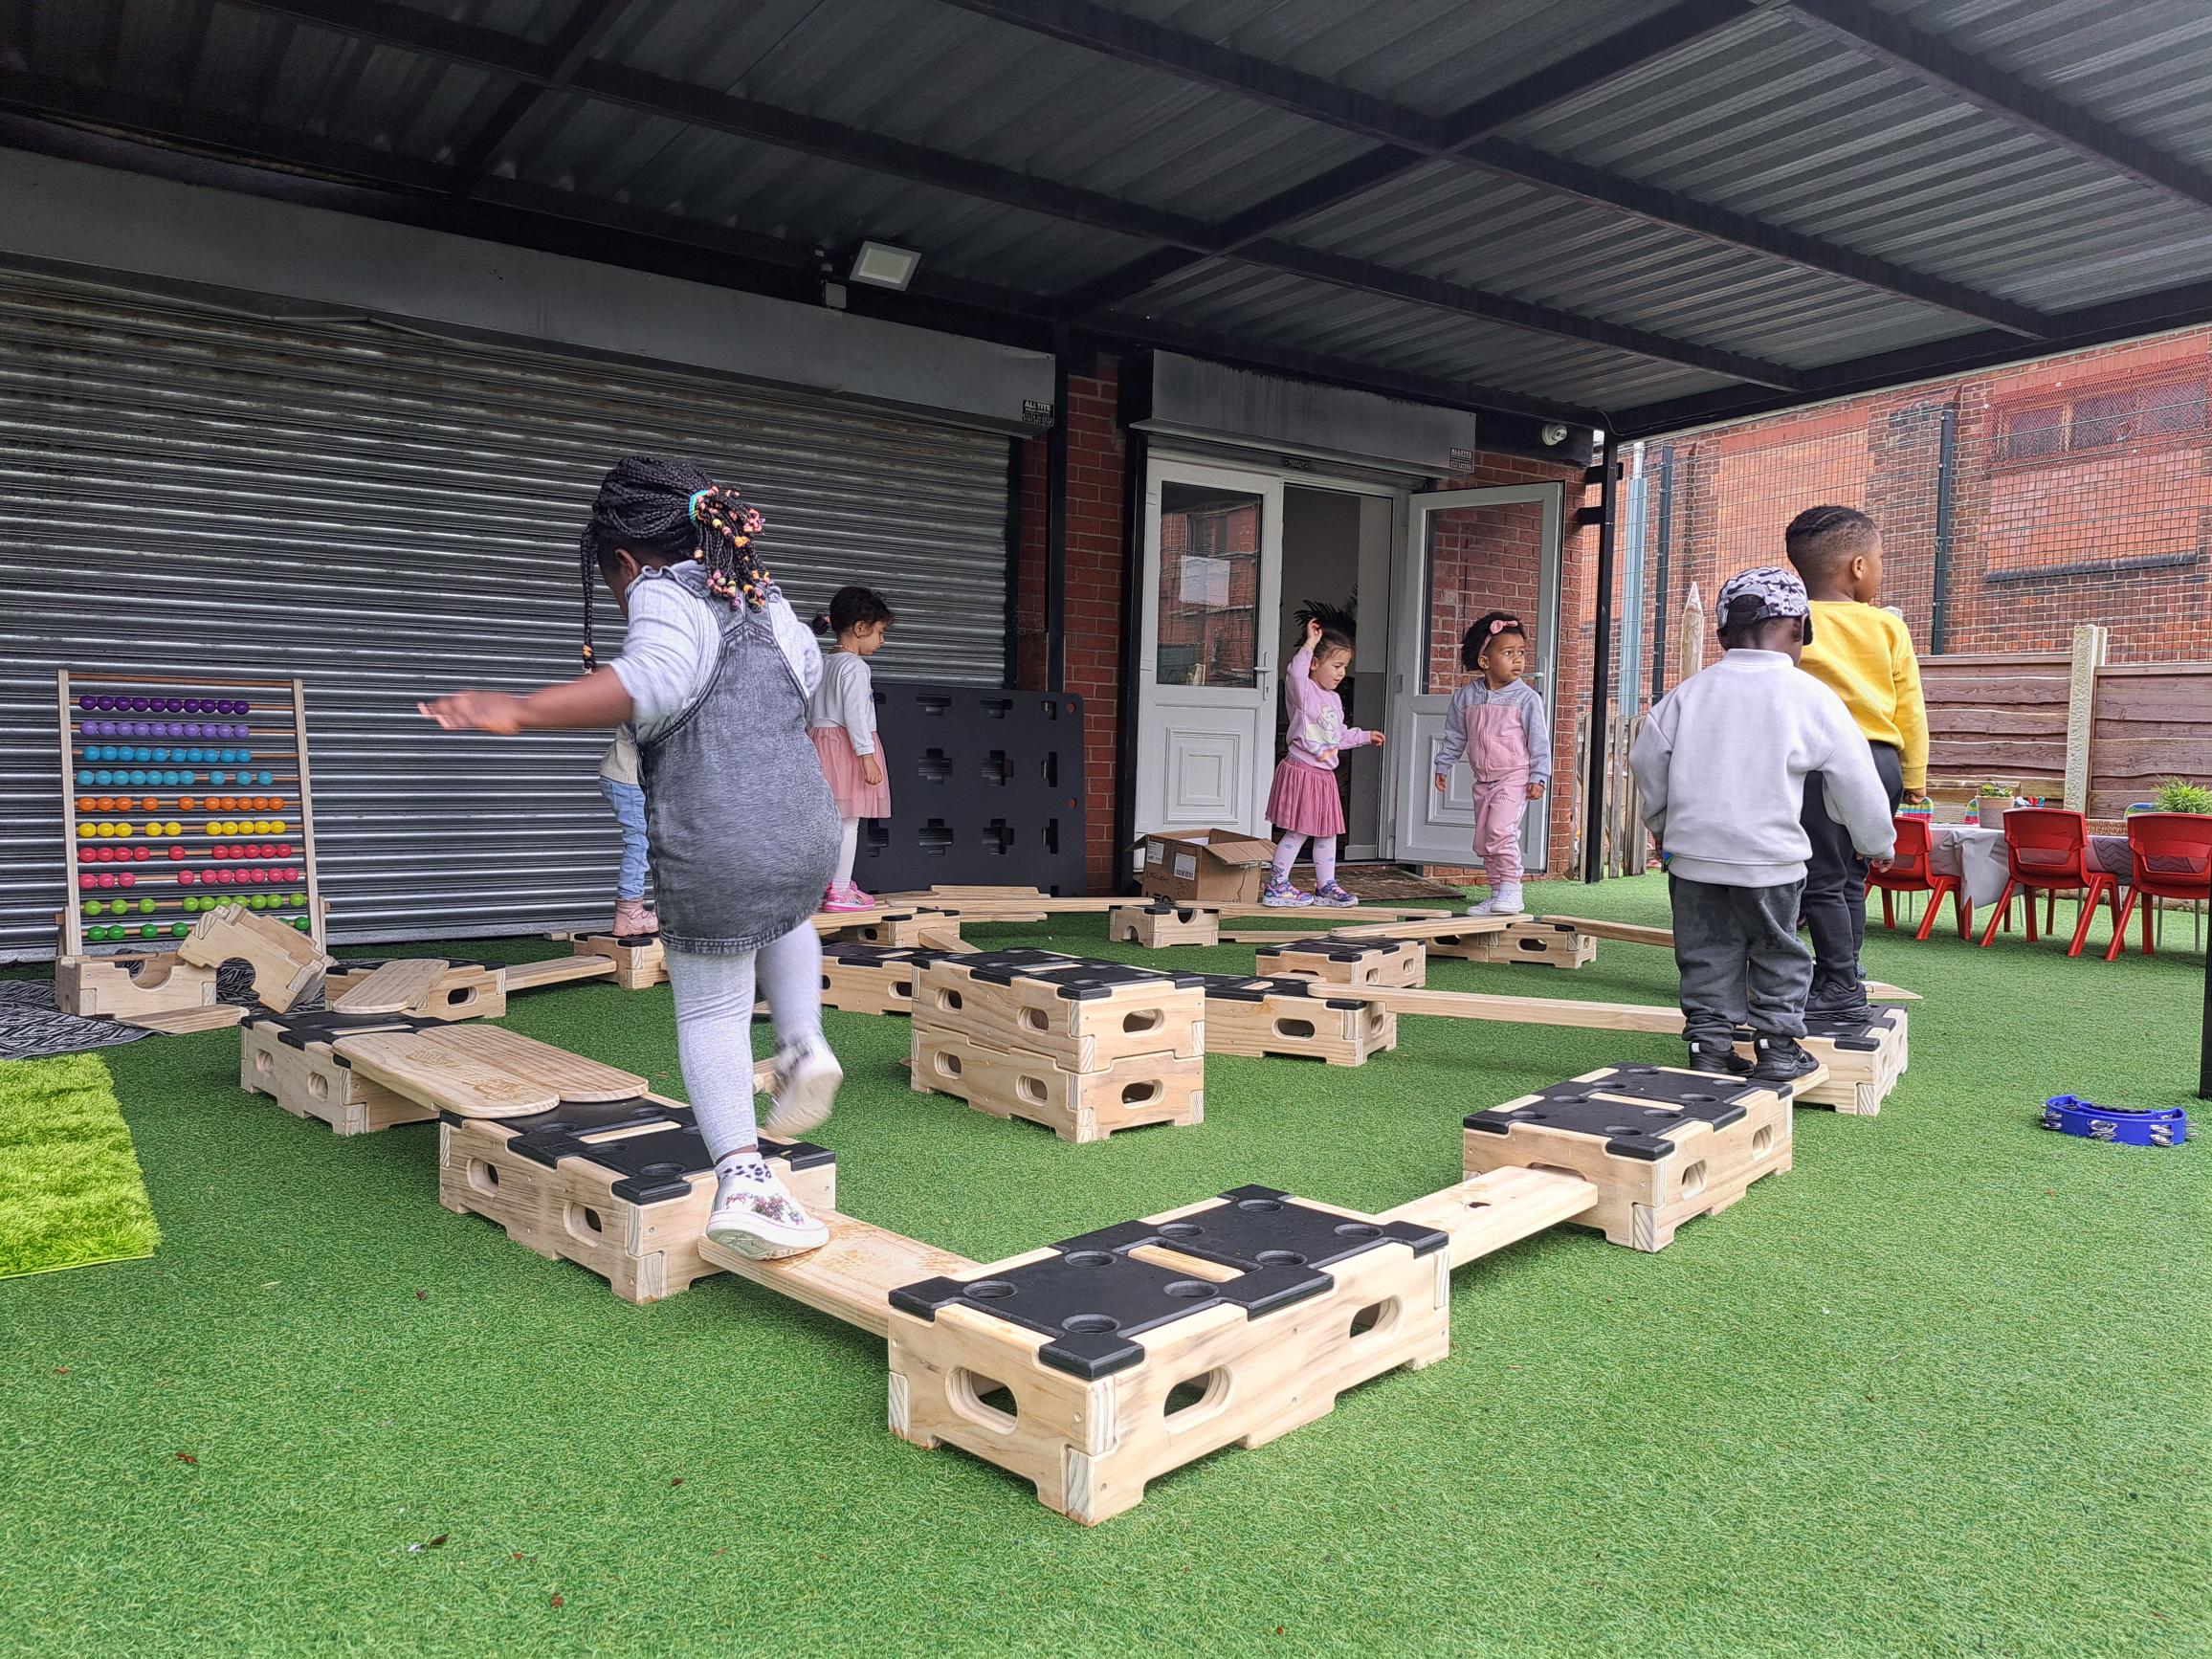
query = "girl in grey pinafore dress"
{"x": 715, "y": 671}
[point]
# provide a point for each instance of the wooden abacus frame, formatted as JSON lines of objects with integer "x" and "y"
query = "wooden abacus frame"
{"x": 68, "y": 687}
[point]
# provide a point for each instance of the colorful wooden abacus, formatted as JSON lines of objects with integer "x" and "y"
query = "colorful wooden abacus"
{"x": 178, "y": 795}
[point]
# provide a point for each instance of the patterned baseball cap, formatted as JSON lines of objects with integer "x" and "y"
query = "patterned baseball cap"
{"x": 1760, "y": 595}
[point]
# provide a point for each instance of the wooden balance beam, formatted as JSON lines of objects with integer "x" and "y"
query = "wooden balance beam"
{"x": 1627, "y": 933}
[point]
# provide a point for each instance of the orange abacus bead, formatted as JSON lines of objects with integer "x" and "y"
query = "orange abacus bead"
{"x": 189, "y": 803}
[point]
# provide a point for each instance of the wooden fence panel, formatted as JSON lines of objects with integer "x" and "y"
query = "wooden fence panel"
{"x": 2153, "y": 722}
{"x": 1997, "y": 720}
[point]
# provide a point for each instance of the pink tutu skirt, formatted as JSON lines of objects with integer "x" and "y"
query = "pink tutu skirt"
{"x": 856, "y": 796}
{"x": 1304, "y": 801}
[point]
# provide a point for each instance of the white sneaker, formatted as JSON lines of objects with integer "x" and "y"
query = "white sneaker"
{"x": 1505, "y": 900}
{"x": 1481, "y": 907}
{"x": 764, "y": 1222}
{"x": 805, "y": 1089}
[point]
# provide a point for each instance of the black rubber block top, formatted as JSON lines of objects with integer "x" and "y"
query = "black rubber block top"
{"x": 1091, "y": 1297}
{"x": 1645, "y": 1103}
{"x": 1073, "y": 978}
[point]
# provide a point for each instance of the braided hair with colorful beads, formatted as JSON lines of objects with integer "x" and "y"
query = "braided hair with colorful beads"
{"x": 666, "y": 512}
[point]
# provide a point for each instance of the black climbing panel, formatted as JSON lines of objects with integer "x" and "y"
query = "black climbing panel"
{"x": 1076, "y": 979}
{"x": 986, "y": 788}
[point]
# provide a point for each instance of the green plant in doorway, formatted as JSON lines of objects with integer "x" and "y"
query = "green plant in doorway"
{"x": 1344, "y": 618}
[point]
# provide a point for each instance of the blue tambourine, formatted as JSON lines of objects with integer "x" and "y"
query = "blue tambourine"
{"x": 2068, "y": 1116}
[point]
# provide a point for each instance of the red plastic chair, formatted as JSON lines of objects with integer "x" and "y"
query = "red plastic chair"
{"x": 1910, "y": 872}
{"x": 2048, "y": 851}
{"x": 2173, "y": 859}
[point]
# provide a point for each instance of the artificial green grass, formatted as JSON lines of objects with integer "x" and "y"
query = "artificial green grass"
{"x": 70, "y": 1191}
{"x": 1943, "y": 1389}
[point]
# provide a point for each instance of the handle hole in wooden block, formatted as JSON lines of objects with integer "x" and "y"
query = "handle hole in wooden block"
{"x": 949, "y": 1000}
{"x": 1693, "y": 1180}
{"x": 1195, "y": 1399}
{"x": 947, "y": 1065}
{"x": 1374, "y": 1318}
{"x": 585, "y": 1223}
{"x": 1762, "y": 1141}
{"x": 1036, "y": 1019}
{"x": 1144, "y": 1020}
{"x": 1031, "y": 1089}
{"x": 482, "y": 1176}
{"x": 317, "y": 1086}
{"x": 1142, "y": 1094}
{"x": 984, "y": 1400}
{"x": 262, "y": 1064}
{"x": 1294, "y": 1027}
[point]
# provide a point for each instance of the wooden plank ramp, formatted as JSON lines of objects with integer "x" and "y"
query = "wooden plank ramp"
{"x": 183, "y": 1022}
{"x": 852, "y": 1277}
{"x": 1501, "y": 1206}
{"x": 570, "y": 1077}
{"x": 1627, "y": 933}
{"x": 415, "y": 1065}
{"x": 1662, "y": 1020}
{"x": 528, "y": 976}
{"x": 392, "y": 988}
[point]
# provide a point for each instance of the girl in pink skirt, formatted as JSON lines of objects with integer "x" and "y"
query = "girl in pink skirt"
{"x": 1303, "y": 802}
{"x": 841, "y": 720}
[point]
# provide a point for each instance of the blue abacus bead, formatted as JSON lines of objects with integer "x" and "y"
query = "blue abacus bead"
{"x": 141, "y": 754}
{"x": 267, "y": 778}
{"x": 218, "y": 777}
{"x": 85, "y": 775}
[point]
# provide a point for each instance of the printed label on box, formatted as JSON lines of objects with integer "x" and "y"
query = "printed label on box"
{"x": 1186, "y": 866}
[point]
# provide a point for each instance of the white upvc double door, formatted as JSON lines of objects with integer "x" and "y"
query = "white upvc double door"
{"x": 1467, "y": 552}
{"x": 1208, "y": 671}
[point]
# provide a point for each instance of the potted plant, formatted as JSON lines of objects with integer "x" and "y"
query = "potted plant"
{"x": 2179, "y": 795}
{"x": 1989, "y": 803}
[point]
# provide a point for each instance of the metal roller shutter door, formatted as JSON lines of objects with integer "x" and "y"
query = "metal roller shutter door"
{"x": 387, "y": 514}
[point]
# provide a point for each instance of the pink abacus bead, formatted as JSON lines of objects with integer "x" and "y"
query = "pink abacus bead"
{"x": 126, "y": 880}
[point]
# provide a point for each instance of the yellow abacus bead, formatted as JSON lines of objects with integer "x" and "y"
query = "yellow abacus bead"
{"x": 172, "y": 827}
{"x": 85, "y": 831}
{"x": 103, "y": 830}
{"x": 277, "y": 827}
{"x": 123, "y": 829}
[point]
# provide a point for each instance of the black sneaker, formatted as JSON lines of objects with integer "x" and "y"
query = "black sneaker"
{"x": 1718, "y": 1059}
{"x": 1781, "y": 1060}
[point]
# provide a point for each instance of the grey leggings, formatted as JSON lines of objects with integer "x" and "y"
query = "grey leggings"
{"x": 713, "y": 1026}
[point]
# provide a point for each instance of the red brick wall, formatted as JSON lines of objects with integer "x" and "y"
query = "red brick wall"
{"x": 2081, "y": 492}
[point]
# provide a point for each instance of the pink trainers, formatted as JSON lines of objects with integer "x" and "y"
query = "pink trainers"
{"x": 845, "y": 899}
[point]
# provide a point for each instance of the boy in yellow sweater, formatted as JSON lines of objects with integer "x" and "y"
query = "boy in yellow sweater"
{"x": 1864, "y": 655}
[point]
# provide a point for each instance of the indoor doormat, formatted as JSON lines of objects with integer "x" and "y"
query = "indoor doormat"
{"x": 1392, "y": 884}
{"x": 71, "y": 1193}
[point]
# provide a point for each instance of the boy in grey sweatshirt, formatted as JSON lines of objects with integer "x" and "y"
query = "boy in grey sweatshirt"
{"x": 1721, "y": 762}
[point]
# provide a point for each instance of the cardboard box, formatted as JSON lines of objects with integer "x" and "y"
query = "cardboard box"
{"x": 1224, "y": 866}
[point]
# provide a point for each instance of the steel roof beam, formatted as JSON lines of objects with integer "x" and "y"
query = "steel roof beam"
{"x": 746, "y": 117}
{"x": 577, "y": 40}
{"x": 1462, "y": 139}
{"x": 65, "y": 119}
{"x": 1934, "y": 60}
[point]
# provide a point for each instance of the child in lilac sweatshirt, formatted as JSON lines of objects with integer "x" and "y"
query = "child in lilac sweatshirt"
{"x": 1303, "y": 802}
{"x": 1497, "y": 720}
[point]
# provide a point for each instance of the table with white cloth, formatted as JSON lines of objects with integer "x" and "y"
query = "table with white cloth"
{"x": 1977, "y": 856}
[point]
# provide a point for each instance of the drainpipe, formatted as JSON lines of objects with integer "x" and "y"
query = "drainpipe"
{"x": 1056, "y": 525}
{"x": 1601, "y": 671}
{"x": 1659, "y": 599}
{"x": 1946, "y": 459}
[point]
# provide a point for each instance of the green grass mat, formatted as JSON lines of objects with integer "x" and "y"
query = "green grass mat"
{"x": 1943, "y": 1389}
{"x": 70, "y": 1191}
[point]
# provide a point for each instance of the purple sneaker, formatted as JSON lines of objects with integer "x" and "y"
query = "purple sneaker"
{"x": 1335, "y": 896}
{"x": 1279, "y": 895}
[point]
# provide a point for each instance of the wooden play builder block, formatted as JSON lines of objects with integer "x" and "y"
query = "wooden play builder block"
{"x": 621, "y": 1189}
{"x": 463, "y": 991}
{"x": 1539, "y": 942}
{"x": 290, "y": 1058}
{"x": 284, "y": 960}
{"x": 390, "y": 987}
{"x": 1163, "y": 923}
{"x": 1293, "y": 1018}
{"x": 1660, "y": 1146}
{"x": 1083, "y": 1016}
{"x": 640, "y": 962}
{"x": 1347, "y": 961}
{"x": 1862, "y": 1060}
{"x": 871, "y": 979}
{"x": 91, "y": 986}
{"x": 1077, "y": 1106}
{"x": 1095, "y": 1366}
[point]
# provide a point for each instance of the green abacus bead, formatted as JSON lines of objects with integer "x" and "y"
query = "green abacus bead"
{"x": 300, "y": 922}
{"x": 94, "y": 907}
{"x": 146, "y": 907}
{"x": 180, "y": 929}
{"x": 300, "y": 898}
{"x": 151, "y": 930}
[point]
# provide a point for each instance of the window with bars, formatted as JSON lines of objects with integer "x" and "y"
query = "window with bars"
{"x": 2100, "y": 421}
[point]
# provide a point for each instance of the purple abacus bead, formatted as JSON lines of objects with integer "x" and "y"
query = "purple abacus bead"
{"x": 138, "y": 705}
{"x": 224, "y": 707}
{"x": 85, "y": 701}
{"x": 173, "y": 705}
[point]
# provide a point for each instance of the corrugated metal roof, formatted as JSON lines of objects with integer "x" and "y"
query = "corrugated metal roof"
{"x": 1764, "y": 117}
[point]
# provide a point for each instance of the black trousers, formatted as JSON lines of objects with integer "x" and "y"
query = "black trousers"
{"x": 1835, "y": 902}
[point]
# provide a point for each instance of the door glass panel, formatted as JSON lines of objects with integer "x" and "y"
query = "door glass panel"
{"x": 1480, "y": 559}
{"x": 1210, "y": 583}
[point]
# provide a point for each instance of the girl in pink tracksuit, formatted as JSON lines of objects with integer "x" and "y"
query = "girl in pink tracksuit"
{"x": 1498, "y": 723}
